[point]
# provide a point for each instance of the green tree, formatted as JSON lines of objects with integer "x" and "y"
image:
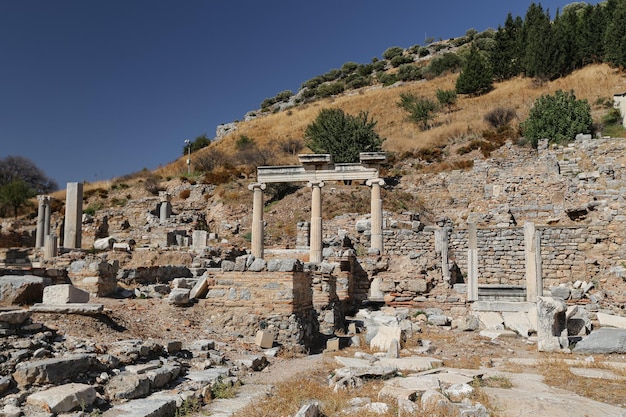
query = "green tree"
{"x": 15, "y": 194}
{"x": 342, "y": 135}
{"x": 505, "y": 57}
{"x": 420, "y": 109}
{"x": 475, "y": 77}
{"x": 538, "y": 45}
{"x": 446, "y": 98}
{"x": 558, "y": 118}
{"x": 20, "y": 168}
{"x": 615, "y": 36}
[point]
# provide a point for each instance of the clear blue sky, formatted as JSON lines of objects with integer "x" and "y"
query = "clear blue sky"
{"x": 94, "y": 89}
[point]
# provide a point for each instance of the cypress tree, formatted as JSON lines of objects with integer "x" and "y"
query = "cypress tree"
{"x": 615, "y": 36}
{"x": 505, "y": 56}
{"x": 538, "y": 46}
{"x": 475, "y": 77}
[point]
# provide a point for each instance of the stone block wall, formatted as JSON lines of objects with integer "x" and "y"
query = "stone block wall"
{"x": 281, "y": 302}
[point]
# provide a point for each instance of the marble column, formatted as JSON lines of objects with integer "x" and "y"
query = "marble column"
{"x": 50, "y": 248}
{"x": 532, "y": 256}
{"x": 376, "y": 239}
{"x": 43, "y": 220}
{"x": 72, "y": 235}
{"x": 472, "y": 263}
{"x": 257, "y": 219}
{"x": 315, "y": 250}
{"x": 166, "y": 207}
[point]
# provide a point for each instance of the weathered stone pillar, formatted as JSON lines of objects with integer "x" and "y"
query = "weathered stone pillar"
{"x": 315, "y": 250}
{"x": 303, "y": 235}
{"x": 441, "y": 248}
{"x": 50, "y": 247}
{"x": 166, "y": 206}
{"x": 551, "y": 324}
{"x": 532, "y": 255}
{"x": 72, "y": 234}
{"x": 257, "y": 218}
{"x": 43, "y": 220}
{"x": 376, "y": 242}
{"x": 472, "y": 263}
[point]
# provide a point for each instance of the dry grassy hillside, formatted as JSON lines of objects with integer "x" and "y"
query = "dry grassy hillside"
{"x": 596, "y": 83}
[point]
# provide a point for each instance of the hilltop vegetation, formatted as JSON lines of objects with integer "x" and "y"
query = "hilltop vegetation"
{"x": 525, "y": 59}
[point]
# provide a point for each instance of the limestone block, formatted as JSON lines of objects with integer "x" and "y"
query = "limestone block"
{"x": 187, "y": 283}
{"x": 127, "y": 386}
{"x": 52, "y": 371}
{"x": 551, "y": 324}
{"x": 384, "y": 337}
{"x": 309, "y": 410}
{"x": 200, "y": 289}
{"x": 253, "y": 362}
{"x": 413, "y": 363}
{"x": 457, "y": 392}
{"x": 21, "y": 289}
{"x": 332, "y": 345}
{"x": 561, "y": 292}
{"x": 17, "y": 316}
{"x": 264, "y": 339}
{"x": 605, "y": 340}
{"x": 257, "y": 265}
{"x": 156, "y": 406}
{"x": 610, "y": 320}
{"x": 518, "y": 322}
{"x": 63, "y": 398}
{"x": 68, "y": 308}
{"x": 490, "y": 320}
{"x": 64, "y": 294}
{"x": 284, "y": 265}
{"x": 104, "y": 243}
{"x": 179, "y": 296}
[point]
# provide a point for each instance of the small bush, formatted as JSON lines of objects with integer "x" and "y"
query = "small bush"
{"x": 152, "y": 184}
{"x": 396, "y": 61}
{"x": 330, "y": 89}
{"x": 430, "y": 154}
{"x": 409, "y": 72}
{"x": 184, "y": 194}
{"x": 387, "y": 79}
{"x": 393, "y": 52}
{"x": 500, "y": 116}
{"x": 449, "y": 61}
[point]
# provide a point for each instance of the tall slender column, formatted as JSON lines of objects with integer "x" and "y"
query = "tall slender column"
{"x": 472, "y": 264}
{"x": 376, "y": 239}
{"x": 72, "y": 235}
{"x": 257, "y": 218}
{"x": 532, "y": 252}
{"x": 46, "y": 219}
{"x": 315, "y": 250}
{"x": 41, "y": 215}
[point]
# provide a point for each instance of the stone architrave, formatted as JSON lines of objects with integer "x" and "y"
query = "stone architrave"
{"x": 532, "y": 256}
{"x": 551, "y": 324}
{"x": 43, "y": 220}
{"x": 315, "y": 169}
{"x": 472, "y": 263}
{"x": 166, "y": 206}
{"x": 376, "y": 242}
{"x": 315, "y": 251}
{"x": 257, "y": 219}
{"x": 72, "y": 235}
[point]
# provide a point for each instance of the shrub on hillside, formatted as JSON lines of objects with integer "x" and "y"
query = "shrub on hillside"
{"x": 420, "y": 109}
{"x": 500, "y": 116}
{"x": 409, "y": 72}
{"x": 396, "y": 61}
{"x": 392, "y": 52}
{"x": 152, "y": 184}
{"x": 379, "y": 65}
{"x": 387, "y": 79}
{"x": 342, "y": 135}
{"x": 329, "y": 89}
{"x": 184, "y": 194}
{"x": 558, "y": 118}
{"x": 449, "y": 61}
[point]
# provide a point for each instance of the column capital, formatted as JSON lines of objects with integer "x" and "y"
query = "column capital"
{"x": 312, "y": 184}
{"x": 257, "y": 186}
{"x": 43, "y": 199}
{"x": 375, "y": 181}
{"x": 165, "y": 196}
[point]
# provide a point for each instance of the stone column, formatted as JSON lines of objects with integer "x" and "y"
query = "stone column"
{"x": 166, "y": 206}
{"x": 43, "y": 220}
{"x": 441, "y": 248}
{"x": 376, "y": 242}
{"x": 315, "y": 250}
{"x": 50, "y": 247}
{"x": 472, "y": 263}
{"x": 532, "y": 255}
{"x": 257, "y": 218}
{"x": 72, "y": 234}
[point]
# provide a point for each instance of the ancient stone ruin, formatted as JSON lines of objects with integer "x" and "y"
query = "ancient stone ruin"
{"x": 528, "y": 243}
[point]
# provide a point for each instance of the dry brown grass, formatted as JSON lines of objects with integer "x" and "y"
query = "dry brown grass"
{"x": 557, "y": 373}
